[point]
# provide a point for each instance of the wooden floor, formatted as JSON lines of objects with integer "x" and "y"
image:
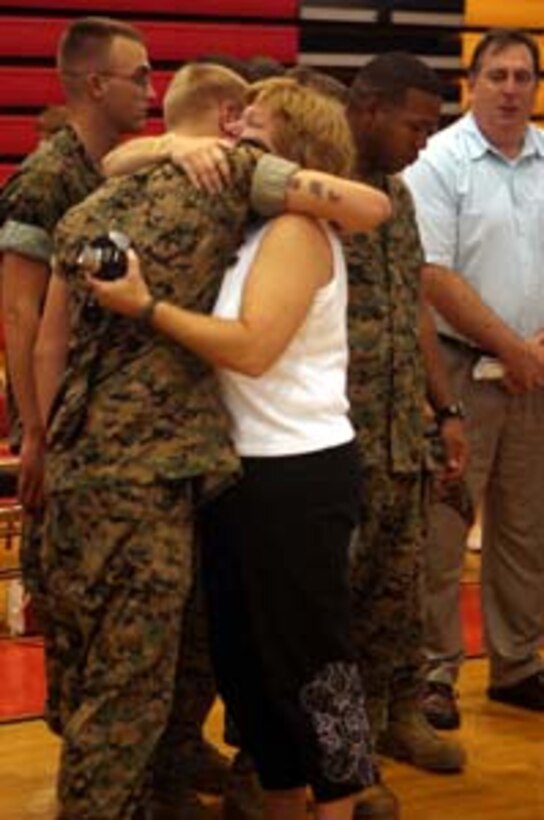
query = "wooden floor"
{"x": 503, "y": 781}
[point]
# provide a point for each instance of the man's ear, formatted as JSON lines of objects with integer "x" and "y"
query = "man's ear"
{"x": 95, "y": 85}
{"x": 229, "y": 113}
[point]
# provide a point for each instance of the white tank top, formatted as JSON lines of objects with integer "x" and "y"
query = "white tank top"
{"x": 300, "y": 404}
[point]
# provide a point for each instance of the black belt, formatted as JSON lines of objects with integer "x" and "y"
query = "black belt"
{"x": 464, "y": 347}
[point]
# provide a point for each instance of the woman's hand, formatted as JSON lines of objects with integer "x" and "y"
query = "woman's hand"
{"x": 127, "y": 295}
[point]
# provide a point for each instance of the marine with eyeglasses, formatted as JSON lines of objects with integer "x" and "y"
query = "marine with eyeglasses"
{"x": 105, "y": 72}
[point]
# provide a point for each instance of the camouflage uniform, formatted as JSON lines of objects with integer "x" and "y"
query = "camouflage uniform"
{"x": 138, "y": 437}
{"x": 386, "y": 389}
{"x": 57, "y": 175}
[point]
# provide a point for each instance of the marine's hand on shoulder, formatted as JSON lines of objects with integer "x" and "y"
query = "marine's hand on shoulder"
{"x": 127, "y": 295}
{"x": 204, "y": 160}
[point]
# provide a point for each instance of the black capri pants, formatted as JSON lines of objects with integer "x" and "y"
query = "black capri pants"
{"x": 275, "y": 567}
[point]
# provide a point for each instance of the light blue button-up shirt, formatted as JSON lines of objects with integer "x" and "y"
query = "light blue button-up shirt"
{"x": 482, "y": 214}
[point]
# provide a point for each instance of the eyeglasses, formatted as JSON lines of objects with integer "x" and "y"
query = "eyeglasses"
{"x": 141, "y": 77}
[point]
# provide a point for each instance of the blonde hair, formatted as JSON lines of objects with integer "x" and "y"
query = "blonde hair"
{"x": 198, "y": 87}
{"x": 308, "y": 127}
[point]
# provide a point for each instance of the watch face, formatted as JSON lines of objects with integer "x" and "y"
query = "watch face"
{"x": 459, "y": 410}
{"x": 452, "y": 411}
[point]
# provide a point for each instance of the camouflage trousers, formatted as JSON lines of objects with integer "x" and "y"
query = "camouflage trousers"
{"x": 116, "y": 570}
{"x": 386, "y": 591}
{"x": 194, "y": 694}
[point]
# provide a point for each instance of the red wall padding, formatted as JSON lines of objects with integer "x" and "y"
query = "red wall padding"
{"x": 19, "y": 135}
{"x": 38, "y": 37}
{"x": 37, "y": 87}
{"x": 269, "y": 9}
{"x": 6, "y": 170}
{"x": 24, "y": 87}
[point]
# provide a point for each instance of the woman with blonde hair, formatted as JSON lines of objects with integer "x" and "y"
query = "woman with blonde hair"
{"x": 275, "y": 544}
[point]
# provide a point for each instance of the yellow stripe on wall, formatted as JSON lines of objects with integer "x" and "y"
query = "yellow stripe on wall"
{"x": 470, "y": 40}
{"x": 519, "y": 13}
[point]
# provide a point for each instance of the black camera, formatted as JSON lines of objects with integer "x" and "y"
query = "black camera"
{"x": 106, "y": 256}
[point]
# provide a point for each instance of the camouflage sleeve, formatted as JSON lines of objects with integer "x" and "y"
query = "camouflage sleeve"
{"x": 264, "y": 178}
{"x": 27, "y": 240}
{"x": 31, "y": 204}
{"x": 269, "y": 185}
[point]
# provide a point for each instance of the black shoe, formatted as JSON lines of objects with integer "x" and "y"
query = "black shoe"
{"x": 439, "y": 705}
{"x": 527, "y": 693}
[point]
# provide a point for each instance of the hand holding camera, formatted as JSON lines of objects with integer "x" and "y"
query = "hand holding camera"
{"x": 105, "y": 257}
{"x": 114, "y": 277}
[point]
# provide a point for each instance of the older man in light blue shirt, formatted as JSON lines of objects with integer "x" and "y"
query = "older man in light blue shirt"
{"x": 479, "y": 193}
{"x": 485, "y": 219}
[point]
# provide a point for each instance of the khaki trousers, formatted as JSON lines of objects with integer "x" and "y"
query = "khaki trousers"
{"x": 506, "y": 474}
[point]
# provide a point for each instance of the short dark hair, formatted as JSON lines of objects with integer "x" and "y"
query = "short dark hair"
{"x": 235, "y": 64}
{"x": 89, "y": 36}
{"x": 261, "y": 67}
{"x": 389, "y": 76}
{"x": 319, "y": 81}
{"x": 498, "y": 39}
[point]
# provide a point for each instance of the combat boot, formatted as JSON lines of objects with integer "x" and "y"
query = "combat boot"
{"x": 244, "y": 797}
{"x": 410, "y": 738}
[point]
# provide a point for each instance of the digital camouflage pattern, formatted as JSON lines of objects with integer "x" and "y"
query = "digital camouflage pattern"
{"x": 134, "y": 405}
{"x": 117, "y": 580}
{"x": 386, "y": 387}
{"x": 386, "y": 378}
{"x": 385, "y": 573}
{"x": 56, "y": 176}
{"x": 138, "y": 420}
{"x": 176, "y": 761}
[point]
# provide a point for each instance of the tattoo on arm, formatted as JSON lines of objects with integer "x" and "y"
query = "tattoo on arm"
{"x": 317, "y": 189}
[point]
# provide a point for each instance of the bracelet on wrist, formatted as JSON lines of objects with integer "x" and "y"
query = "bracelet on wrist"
{"x": 145, "y": 315}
